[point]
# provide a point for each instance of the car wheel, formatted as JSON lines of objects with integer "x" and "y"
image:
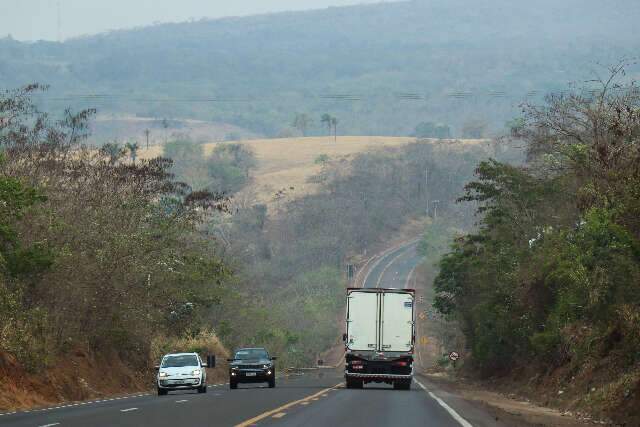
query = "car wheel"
{"x": 233, "y": 385}
{"x": 272, "y": 383}
{"x": 162, "y": 392}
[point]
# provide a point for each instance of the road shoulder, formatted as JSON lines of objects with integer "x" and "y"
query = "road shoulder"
{"x": 503, "y": 409}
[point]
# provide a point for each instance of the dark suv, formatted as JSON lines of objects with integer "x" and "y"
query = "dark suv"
{"x": 252, "y": 365}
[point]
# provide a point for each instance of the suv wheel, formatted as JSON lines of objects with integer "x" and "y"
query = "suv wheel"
{"x": 272, "y": 383}
{"x": 351, "y": 383}
{"x": 233, "y": 385}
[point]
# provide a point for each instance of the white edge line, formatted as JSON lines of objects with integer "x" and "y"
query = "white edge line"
{"x": 451, "y": 412}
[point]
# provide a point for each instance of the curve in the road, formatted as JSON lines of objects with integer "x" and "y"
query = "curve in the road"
{"x": 398, "y": 263}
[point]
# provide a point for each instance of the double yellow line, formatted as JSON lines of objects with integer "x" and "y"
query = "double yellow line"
{"x": 287, "y": 406}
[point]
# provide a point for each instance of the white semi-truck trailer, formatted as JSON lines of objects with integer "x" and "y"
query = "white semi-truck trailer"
{"x": 380, "y": 337}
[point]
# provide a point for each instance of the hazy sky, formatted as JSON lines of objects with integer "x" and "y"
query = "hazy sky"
{"x": 38, "y": 19}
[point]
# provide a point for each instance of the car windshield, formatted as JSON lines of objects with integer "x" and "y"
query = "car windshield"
{"x": 252, "y": 353}
{"x": 180, "y": 361}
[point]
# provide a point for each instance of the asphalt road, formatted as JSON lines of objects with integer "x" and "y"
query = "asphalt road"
{"x": 317, "y": 398}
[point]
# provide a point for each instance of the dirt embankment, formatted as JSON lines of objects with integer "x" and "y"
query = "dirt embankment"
{"x": 81, "y": 375}
{"x": 75, "y": 377}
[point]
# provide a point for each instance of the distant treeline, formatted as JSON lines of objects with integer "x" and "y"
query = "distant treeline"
{"x": 379, "y": 69}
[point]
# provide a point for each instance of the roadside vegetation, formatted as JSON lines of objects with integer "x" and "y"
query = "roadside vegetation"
{"x": 98, "y": 253}
{"x": 547, "y": 286}
{"x": 106, "y": 252}
{"x": 292, "y": 260}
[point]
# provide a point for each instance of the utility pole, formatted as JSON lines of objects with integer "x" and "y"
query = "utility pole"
{"x": 426, "y": 186}
{"x": 146, "y": 133}
{"x": 59, "y": 22}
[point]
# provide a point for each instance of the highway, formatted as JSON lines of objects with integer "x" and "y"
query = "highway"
{"x": 317, "y": 398}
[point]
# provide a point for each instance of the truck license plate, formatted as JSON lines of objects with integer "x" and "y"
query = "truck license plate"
{"x": 251, "y": 374}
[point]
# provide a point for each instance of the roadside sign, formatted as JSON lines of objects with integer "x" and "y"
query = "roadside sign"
{"x": 424, "y": 340}
{"x": 350, "y": 271}
{"x": 454, "y": 356}
{"x": 422, "y": 316}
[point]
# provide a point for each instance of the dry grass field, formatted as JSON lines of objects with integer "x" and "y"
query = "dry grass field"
{"x": 290, "y": 162}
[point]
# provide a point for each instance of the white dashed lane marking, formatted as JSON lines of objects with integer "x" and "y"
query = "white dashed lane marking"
{"x": 128, "y": 410}
{"x": 72, "y": 405}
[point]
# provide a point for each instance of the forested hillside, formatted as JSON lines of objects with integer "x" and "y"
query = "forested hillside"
{"x": 547, "y": 289}
{"x": 379, "y": 69}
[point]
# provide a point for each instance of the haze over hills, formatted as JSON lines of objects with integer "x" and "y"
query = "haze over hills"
{"x": 380, "y": 69}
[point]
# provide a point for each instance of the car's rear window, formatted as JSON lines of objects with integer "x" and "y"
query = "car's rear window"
{"x": 252, "y": 353}
{"x": 179, "y": 361}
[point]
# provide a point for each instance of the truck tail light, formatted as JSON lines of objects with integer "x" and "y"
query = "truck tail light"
{"x": 356, "y": 364}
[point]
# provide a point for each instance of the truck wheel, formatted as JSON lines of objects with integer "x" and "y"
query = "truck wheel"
{"x": 402, "y": 385}
{"x": 162, "y": 392}
{"x": 233, "y": 385}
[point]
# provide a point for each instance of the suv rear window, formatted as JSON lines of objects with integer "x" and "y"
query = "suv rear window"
{"x": 251, "y": 353}
{"x": 179, "y": 361}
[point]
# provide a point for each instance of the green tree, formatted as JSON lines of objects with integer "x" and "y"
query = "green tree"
{"x": 114, "y": 150}
{"x": 302, "y": 122}
{"x": 432, "y": 130}
{"x": 133, "y": 148}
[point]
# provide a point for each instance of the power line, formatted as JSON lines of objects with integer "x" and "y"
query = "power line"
{"x": 339, "y": 97}
{"x": 59, "y": 13}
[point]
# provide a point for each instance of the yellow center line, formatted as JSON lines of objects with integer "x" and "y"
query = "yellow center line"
{"x": 283, "y": 407}
{"x": 279, "y": 415}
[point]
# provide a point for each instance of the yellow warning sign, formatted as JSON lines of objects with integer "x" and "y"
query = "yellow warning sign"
{"x": 422, "y": 316}
{"x": 424, "y": 340}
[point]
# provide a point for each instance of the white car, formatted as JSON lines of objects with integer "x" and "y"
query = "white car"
{"x": 181, "y": 371}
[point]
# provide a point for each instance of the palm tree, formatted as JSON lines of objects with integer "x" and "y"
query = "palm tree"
{"x": 147, "y": 132}
{"x": 330, "y": 122}
{"x": 133, "y": 150}
{"x": 113, "y": 150}
{"x": 334, "y": 123}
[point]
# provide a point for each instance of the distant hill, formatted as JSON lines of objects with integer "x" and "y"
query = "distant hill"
{"x": 381, "y": 69}
{"x": 291, "y": 173}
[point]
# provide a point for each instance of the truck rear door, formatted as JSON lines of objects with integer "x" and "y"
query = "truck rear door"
{"x": 362, "y": 321}
{"x": 396, "y": 323}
